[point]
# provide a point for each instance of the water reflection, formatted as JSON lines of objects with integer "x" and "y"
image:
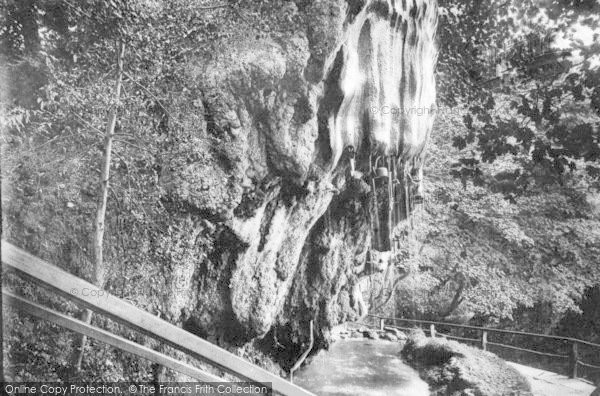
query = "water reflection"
{"x": 359, "y": 367}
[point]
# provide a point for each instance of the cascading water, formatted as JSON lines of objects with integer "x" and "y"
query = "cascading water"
{"x": 361, "y": 78}
{"x": 387, "y": 110}
{"x": 387, "y": 79}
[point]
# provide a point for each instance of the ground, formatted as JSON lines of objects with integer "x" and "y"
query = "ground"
{"x": 546, "y": 383}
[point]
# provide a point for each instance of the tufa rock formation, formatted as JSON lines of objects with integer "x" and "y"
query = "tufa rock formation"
{"x": 257, "y": 222}
{"x": 283, "y": 117}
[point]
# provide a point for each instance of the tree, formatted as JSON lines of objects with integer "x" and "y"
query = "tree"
{"x": 54, "y": 163}
{"x": 546, "y": 115}
{"x": 53, "y": 139}
{"x": 527, "y": 132}
{"x": 476, "y": 254}
{"x": 111, "y": 122}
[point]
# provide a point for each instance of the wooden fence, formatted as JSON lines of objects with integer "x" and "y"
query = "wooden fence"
{"x": 123, "y": 312}
{"x": 483, "y": 340}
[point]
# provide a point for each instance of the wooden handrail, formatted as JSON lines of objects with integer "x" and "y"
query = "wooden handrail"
{"x": 81, "y": 327}
{"x": 573, "y": 355}
{"x": 123, "y": 312}
{"x": 523, "y": 333}
{"x": 555, "y": 355}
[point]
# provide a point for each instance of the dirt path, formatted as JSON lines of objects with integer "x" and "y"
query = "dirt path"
{"x": 361, "y": 367}
{"x": 546, "y": 383}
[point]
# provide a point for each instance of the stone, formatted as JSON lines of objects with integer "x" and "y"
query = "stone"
{"x": 371, "y": 334}
{"x": 250, "y": 149}
{"x": 389, "y": 337}
{"x": 400, "y": 335}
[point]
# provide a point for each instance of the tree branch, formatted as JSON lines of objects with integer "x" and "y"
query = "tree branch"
{"x": 456, "y": 301}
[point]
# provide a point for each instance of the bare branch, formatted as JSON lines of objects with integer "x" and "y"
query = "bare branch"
{"x": 158, "y": 101}
{"x": 86, "y": 123}
{"x": 213, "y": 7}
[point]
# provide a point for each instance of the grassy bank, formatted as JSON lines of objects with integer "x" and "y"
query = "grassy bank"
{"x": 455, "y": 369}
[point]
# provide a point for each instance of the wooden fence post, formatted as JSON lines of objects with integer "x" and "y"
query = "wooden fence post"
{"x": 432, "y": 330}
{"x": 573, "y": 360}
{"x": 484, "y": 340}
{"x": 381, "y": 324}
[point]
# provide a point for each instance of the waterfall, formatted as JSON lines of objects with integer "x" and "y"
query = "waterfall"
{"x": 387, "y": 80}
{"x": 386, "y": 112}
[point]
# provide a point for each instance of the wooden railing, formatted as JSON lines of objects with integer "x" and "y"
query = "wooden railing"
{"x": 123, "y": 312}
{"x": 483, "y": 342}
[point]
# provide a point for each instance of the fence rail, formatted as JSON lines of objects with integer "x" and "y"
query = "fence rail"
{"x": 81, "y": 327}
{"x": 573, "y": 356}
{"x": 123, "y": 312}
{"x": 490, "y": 329}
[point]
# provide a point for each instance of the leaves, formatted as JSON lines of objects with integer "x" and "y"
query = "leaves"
{"x": 546, "y": 120}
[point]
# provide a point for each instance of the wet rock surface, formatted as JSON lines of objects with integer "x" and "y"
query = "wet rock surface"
{"x": 290, "y": 231}
{"x": 345, "y": 332}
{"x": 252, "y": 227}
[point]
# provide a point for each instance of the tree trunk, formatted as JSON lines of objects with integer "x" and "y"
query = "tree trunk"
{"x": 456, "y": 301}
{"x": 98, "y": 274}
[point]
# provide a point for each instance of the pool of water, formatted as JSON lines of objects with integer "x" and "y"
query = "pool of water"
{"x": 361, "y": 367}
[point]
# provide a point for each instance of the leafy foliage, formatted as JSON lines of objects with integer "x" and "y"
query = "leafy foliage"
{"x": 474, "y": 254}
{"x": 534, "y": 140}
{"x": 58, "y": 64}
{"x": 515, "y": 230}
{"x": 59, "y": 60}
{"x": 552, "y": 123}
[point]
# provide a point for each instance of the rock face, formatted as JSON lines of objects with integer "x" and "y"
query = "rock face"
{"x": 290, "y": 229}
{"x": 256, "y": 224}
{"x": 266, "y": 230}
